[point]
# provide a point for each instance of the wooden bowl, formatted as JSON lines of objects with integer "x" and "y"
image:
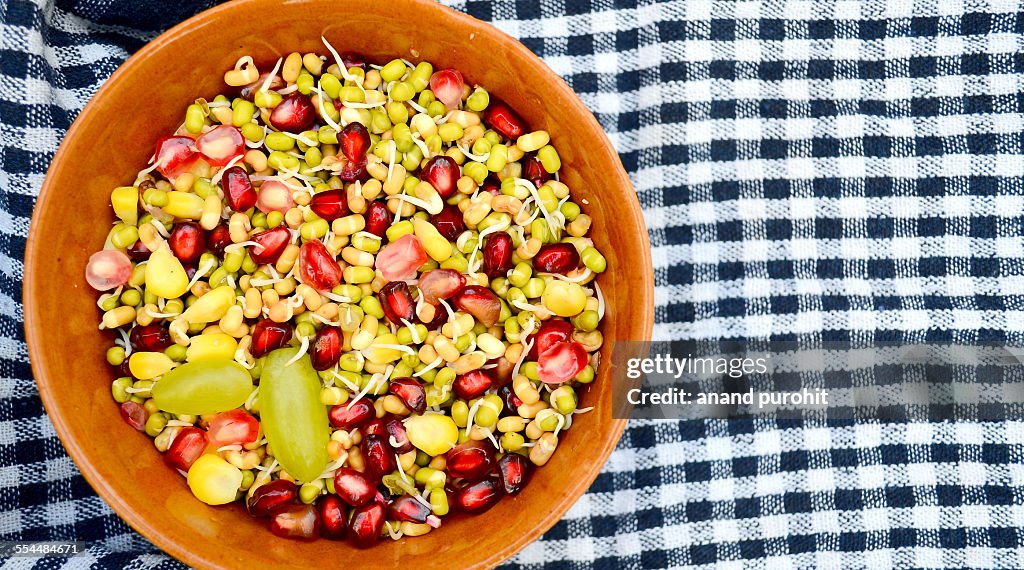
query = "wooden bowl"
{"x": 115, "y": 135}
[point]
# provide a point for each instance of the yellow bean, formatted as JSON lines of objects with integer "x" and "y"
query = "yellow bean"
{"x": 525, "y": 389}
{"x": 469, "y": 362}
{"x": 531, "y": 410}
{"x": 238, "y": 227}
{"x": 232, "y": 322}
{"x": 211, "y": 212}
{"x": 348, "y": 225}
{"x": 359, "y": 257}
{"x": 256, "y": 159}
{"x": 253, "y": 304}
{"x": 118, "y": 317}
{"x": 531, "y": 142}
{"x": 446, "y": 349}
{"x": 287, "y": 260}
{"x": 312, "y": 63}
{"x": 542, "y": 450}
{"x": 291, "y": 67}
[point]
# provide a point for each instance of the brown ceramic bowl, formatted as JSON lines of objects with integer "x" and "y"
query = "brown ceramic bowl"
{"x": 114, "y": 136}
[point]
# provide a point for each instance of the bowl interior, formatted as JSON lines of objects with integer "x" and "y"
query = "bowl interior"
{"x": 114, "y": 137}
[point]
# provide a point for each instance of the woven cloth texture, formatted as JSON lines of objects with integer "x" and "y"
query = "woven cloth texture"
{"x": 809, "y": 170}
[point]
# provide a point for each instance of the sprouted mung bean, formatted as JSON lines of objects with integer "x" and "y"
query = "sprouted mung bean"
{"x": 355, "y": 296}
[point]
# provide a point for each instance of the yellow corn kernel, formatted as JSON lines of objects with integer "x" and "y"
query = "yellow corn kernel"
{"x": 436, "y": 245}
{"x": 211, "y": 347}
{"x": 213, "y": 480}
{"x": 149, "y": 365}
{"x": 125, "y": 200}
{"x": 434, "y": 434}
{"x": 165, "y": 276}
{"x": 382, "y": 355}
{"x": 185, "y": 205}
{"x": 564, "y": 299}
{"x": 211, "y": 306}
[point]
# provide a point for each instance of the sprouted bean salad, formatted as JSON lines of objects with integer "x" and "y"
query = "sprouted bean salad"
{"x": 355, "y": 297}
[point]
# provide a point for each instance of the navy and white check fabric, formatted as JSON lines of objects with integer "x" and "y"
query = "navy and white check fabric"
{"x": 812, "y": 170}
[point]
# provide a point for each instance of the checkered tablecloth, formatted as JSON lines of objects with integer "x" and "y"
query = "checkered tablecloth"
{"x": 814, "y": 170}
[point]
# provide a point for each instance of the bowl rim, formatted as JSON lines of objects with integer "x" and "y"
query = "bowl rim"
{"x": 74, "y": 445}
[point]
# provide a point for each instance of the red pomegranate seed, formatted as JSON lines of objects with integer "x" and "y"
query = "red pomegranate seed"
{"x": 352, "y": 59}
{"x": 175, "y": 155}
{"x": 354, "y": 140}
{"x": 346, "y": 416}
{"x": 187, "y": 446}
{"x": 491, "y": 184}
{"x": 330, "y": 204}
{"x": 503, "y": 119}
{"x": 353, "y": 487}
{"x": 326, "y": 349}
{"x": 512, "y": 402}
{"x": 218, "y": 238}
{"x": 396, "y": 301}
{"x": 557, "y": 258}
{"x": 238, "y": 189}
{"x": 411, "y": 392}
{"x": 480, "y": 302}
{"x": 249, "y": 91}
{"x": 375, "y": 427}
{"x": 478, "y": 497}
{"x": 268, "y": 335}
{"x": 271, "y": 497}
{"x": 366, "y": 524}
{"x": 107, "y": 269}
{"x": 294, "y": 114}
{"x": 380, "y": 459}
{"x": 447, "y": 86}
{"x": 497, "y": 254}
{"x": 514, "y": 470}
{"x": 272, "y": 244}
{"x": 134, "y": 414}
{"x": 317, "y": 266}
{"x": 138, "y": 251}
{"x": 440, "y": 284}
{"x": 442, "y": 172}
{"x": 503, "y": 371}
{"x": 550, "y": 332}
{"x": 441, "y": 316}
{"x": 401, "y": 259}
{"x": 274, "y": 196}
{"x": 221, "y": 144}
{"x": 187, "y": 242}
{"x": 354, "y": 170}
{"x": 408, "y": 509}
{"x": 534, "y": 171}
{"x": 471, "y": 460}
{"x": 377, "y": 218}
{"x": 333, "y": 518}
{"x": 472, "y": 384}
{"x": 561, "y": 362}
{"x": 449, "y": 222}
{"x": 298, "y": 522}
{"x": 234, "y": 427}
{"x": 398, "y": 438}
{"x": 149, "y": 338}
